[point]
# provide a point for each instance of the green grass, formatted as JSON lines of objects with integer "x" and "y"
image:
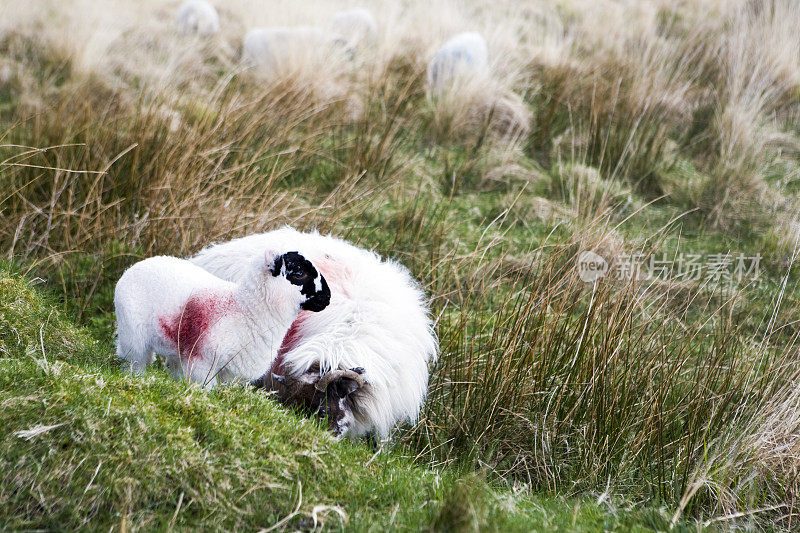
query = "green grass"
{"x": 116, "y": 451}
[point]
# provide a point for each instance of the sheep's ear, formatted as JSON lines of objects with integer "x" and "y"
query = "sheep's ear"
{"x": 344, "y": 387}
{"x": 274, "y": 263}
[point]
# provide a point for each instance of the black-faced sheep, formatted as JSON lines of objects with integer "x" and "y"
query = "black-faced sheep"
{"x": 334, "y": 395}
{"x": 378, "y": 320}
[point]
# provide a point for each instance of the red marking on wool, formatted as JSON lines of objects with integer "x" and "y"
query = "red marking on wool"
{"x": 338, "y": 275}
{"x": 294, "y": 335}
{"x": 187, "y": 329}
{"x": 277, "y": 365}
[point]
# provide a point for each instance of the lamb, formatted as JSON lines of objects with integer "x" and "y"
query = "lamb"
{"x": 358, "y": 26}
{"x": 464, "y": 54}
{"x": 378, "y": 320}
{"x": 211, "y": 330}
{"x": 272, "y": 49}
{"x": 198, "y": 17}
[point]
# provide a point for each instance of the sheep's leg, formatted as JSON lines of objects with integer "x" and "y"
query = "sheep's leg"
{"x": 377, "y": 443}
{"x": 134, "y": 356}
{"x": 195, "y": 369}
{"x": 199, "y": 370}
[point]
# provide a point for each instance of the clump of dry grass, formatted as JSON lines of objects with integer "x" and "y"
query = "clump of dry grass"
{"x": 762, "y": 459}
{"x": 572, "y": 387}
{"x": 631, "y": 86}
{"x": 621, "y": 105}
{"x": 756, "y": 84}
{"x": 477, "y": 108}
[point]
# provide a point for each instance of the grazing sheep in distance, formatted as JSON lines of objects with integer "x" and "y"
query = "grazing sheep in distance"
{"x": 378, "y": 320}
{"x": 273, "y": 49}
{"x": 210, "y": 329}
{"x": 198, "y": 17}
{"x": 465, "y": 54}
{"x": 358, "y": 26}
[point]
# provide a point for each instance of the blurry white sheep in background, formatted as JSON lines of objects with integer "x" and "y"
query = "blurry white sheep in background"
{"x": 198, "y": 17}
{"x": 274, "y": 49}
{"x": 465, "y": 54}
{"x": 358, "y": 26}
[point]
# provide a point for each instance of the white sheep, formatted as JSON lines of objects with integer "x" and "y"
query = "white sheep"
{"x": 272, "y": 49}
{"x": 358, "y": 26}
{"x": 378, "y": 320}
{"x": 198, "y": 17}
{"x": 465, "y": 54}
{"x": 209, "y": 329}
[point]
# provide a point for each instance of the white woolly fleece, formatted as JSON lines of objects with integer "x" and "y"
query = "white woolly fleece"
{"x": 270, "y": 50}
{"x": 463, "y": 55}
{"x": 198, "y": 16}
{"x": 357, "y": 25}
{"x": 378, "y": 319}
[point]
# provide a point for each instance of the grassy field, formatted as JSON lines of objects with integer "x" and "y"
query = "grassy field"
{"x": 86, "y": 446}
{"x": 661, "y": 135}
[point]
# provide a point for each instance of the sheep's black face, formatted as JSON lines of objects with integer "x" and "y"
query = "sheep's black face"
{"x": 335, "y": 398}
{"x": 301, "y": 272}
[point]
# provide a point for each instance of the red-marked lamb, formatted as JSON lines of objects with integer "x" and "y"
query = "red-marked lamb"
{"x": 208, "y": 329}
{"x": 378, "y": 320}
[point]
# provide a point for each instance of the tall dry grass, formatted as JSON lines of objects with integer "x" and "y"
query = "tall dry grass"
{"x": 614, "y": 388}
{"x": 122, "y": 140}
{"x": 638, "y": 87}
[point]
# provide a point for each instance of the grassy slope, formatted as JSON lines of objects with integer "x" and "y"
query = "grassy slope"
{"x": 150, "y": 452}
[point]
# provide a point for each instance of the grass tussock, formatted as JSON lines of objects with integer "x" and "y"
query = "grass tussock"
{"x": 572, "y": 387}
{"x": 650, "y": 130}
